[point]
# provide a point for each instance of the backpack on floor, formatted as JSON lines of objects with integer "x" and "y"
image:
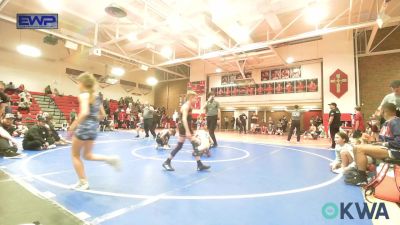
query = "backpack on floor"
{"x": 386, "y": 184}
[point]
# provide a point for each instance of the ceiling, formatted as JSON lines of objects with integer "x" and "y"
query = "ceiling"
{"x": 220, "y": 32}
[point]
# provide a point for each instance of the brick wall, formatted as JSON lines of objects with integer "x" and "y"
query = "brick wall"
{"x": 376, "y": 73}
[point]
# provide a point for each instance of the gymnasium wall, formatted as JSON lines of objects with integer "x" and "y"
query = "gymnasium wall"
{"x": 308, "y": 71}
{"x": 167, "y": 94}
{"x": 376, "y": 73}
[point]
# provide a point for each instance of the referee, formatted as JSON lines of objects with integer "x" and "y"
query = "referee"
{"x": 212, "y": 110}
{"x": 296, "y": 114}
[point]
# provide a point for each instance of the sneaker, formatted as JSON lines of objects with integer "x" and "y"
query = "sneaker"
{"x": 9, "y": 154}
{"x": 203, "y": 167}
{"x": 338, "y": 171}
{"x": 81, "y": 185}
{"x": 51, "y": 146}
{"x": 115, "y": 162}
{"x": 137, "y": 136}
{"x": 167, "y": 166}
{"x": 167, "y": 147}
{"x": 356, "y": 180}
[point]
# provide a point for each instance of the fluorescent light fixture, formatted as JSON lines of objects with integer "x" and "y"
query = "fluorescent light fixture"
{"x": 111, "y": 80}
{"x": 239, "y": 33}
{"x": 132, "y": 36}
{"x": 289, "y": 60}
{"x": 29, "y": 50}
{"x": 118, "y": 71}
{"x": 175, "y": 23}
{"x": 206, "y": 42}
{"x": 218, "y": 70}
{"x": 71, "y": 45}
{"x": 166, "y": 51}
{"x": 151, "y": 81}
{"x": 315, "y": 13}
{"x": 144, "y": 67}
{"x": 382, "y": 18}
{"x": 279, "y": 108}
{"x": 52, "y": 5}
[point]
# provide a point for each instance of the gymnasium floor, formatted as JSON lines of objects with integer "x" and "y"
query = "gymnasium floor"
{"x": 249, "y": 183}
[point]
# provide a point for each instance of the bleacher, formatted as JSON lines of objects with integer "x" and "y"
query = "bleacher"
{"x": 66, "y": 104}
{"x": 34, "y": 109}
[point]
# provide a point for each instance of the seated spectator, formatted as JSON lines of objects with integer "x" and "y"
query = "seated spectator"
{"x": 18, "y": 117}
{"x": 54, "y": 139}
{"x": 8, "y": 146}
{"x": 21, "y": 88}
{"x": 4, "y": 101}
{"x": 24, "y": 106}
{"x": 40, "y": 114}
{"x": 21, "y": 129}
{"x": 270, "y": 129}
{"x": 106, "y": 124}
{"x": 10, "y": 87}
{"x": 36, "y": 137}
{"x": 388, "y": 147}
{"x": 56, "y": 92}
{"x": 311, "y": 133}
{"x": 279, "y": 130}
{"x": 321, "y": 131}
{"x": 344, "y": 154}
{"x": 47, "y": 90}
{"x": 8, "y": 124}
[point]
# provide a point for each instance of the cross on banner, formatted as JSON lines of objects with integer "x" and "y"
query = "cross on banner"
{"x": 338, "y": 82}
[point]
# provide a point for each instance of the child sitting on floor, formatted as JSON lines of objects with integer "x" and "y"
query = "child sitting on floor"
{"x": 344, "y": 154}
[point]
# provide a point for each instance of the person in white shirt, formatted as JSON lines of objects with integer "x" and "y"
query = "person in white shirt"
{"x": 344, "y": 154}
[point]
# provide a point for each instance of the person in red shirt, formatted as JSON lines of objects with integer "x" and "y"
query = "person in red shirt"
{"x": 251, "y": 90}
{"x": 269, "y": 89}
{"x": 228, "y": 91}
{"x": 221, "y": 92}
{"x": 312, "y": 87}
{"x": 300, "y": 86}
{"x": 279, "y": 88}
{"x": 259, "y": 89}
{"x": 235, "y": 91}
{"x": 289, "y": 87}
{"x": 358, "y": 123}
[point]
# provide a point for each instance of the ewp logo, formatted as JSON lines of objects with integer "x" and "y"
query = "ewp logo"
{"x": 37, "y": 21}
{"x": 331, "y": 210}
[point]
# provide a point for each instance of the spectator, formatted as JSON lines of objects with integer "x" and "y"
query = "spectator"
{"x": 4, "y": 101}
{"x": 56, "y": 92}
{"x": 22, "y": 106}
{"x": 388, "y": 147}
{"x": 243, "y": 123}
{"x": 344, "y": 154}
{"x": 254, "y": 122}
{"x": 18, "y": 116}
{"x": 10, "y": 87}
{"x": 233, "y": 122}
{"x": 311, "y": 133}
{"x": 226, "y": 122}
{"x": 8, "y": 146}
{"x": 8, "y": 124}
{"x": 36, "y": 137}
{"x": 284, "y": 124}
{"x": 21, "y": 88}
{"x": 358, "y": 125}
{"x": 47, "y": 90}
{"x": 393, "y": 98}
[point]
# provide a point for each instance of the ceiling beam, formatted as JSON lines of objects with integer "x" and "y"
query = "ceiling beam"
{"x": 3, "y": 4}
{"x": 260, "y": 45}
{"x": 110, "y": 52}
{"x": 375, "y": 28}
{"x": 385, "y": 37}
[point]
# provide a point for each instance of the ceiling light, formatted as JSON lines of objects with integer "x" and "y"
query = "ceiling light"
{"x": 71, "y": 45}
{"x": 206, "y": 43}
{"x": 132, "y": 36}
{"x": 29, "y": 50}
{"x": 240, "y": 34}
{"x": 382, "y": 18}
{"x": 117, "y": 71}
{"x": 115, "y": 10}
{"x": 289, "y": 60}
{"x": 144, "y": 67}
{"x": 175, "y": 23}
{"x": 52, "y": 5}
{"x": 166, "y": 51}
{"x": 218, "y": 70}
{"x": 111, "y": 80}
{"x": 152, "y": 81}
{"x": 316, "y": 13}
